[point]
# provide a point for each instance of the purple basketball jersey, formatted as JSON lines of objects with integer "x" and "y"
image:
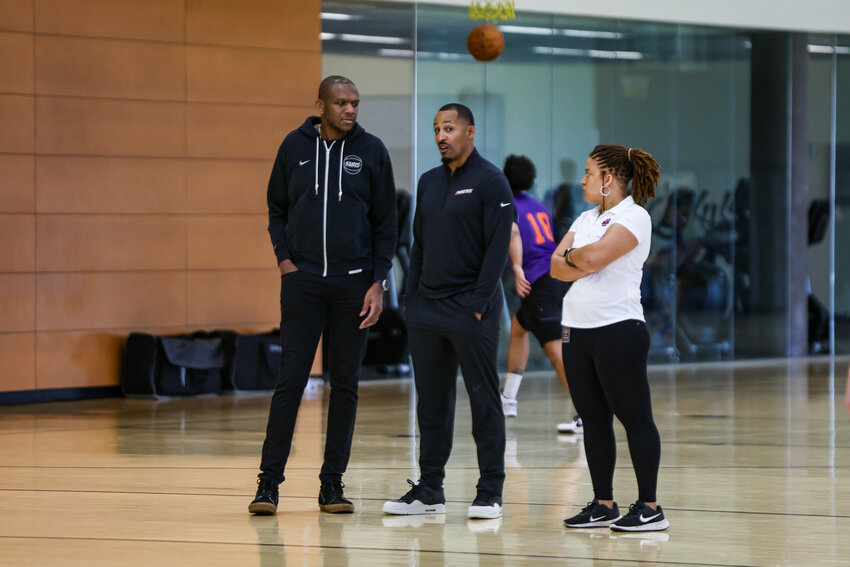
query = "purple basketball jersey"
{"x": 535, "y": 228}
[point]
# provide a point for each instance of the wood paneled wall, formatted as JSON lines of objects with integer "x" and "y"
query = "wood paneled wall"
{"x": 136, "y": 140}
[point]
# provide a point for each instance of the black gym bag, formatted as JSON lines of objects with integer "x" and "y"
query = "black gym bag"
{"x": 181, "y": 365}
{"x": 256, "y": 362}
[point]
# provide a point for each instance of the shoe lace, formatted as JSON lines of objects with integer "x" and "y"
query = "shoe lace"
{"x": 266, "y": 484}
{"x": 413, "y": 489}
{"x": 484, "y": 499}
{"x": 634, "y": 509}
{"x": 589, "y": 507}
{"x": 335, "y": 487}
{"x": 413, "y": 493}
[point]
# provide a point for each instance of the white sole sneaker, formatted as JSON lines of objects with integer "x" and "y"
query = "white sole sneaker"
{"x": 415, "y": 507}
{"x": 573, "y": 427}
{"x": 649, "y": 527}
{"x": 599, "y": 524}
{"x": 484, "y": 512}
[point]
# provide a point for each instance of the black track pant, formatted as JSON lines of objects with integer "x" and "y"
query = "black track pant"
{"x": 606, "y": 370}
{"x": 307, "y": 303}
{"x": 443, "y": 334}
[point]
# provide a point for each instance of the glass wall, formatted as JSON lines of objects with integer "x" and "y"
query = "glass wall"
{"x": 733, "y": 272}
{"x": 841, "y": 202}
{"x": 820, "y": 111}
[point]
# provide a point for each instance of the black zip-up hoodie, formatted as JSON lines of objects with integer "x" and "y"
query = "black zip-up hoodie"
{"x": 461, "y": 232}
{"x": 332, "y": 204}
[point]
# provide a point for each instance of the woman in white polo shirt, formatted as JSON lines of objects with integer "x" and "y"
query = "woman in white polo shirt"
{"x": 605, "y": 341}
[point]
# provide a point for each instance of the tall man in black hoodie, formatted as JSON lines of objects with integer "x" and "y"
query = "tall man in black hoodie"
{"x": 461, "y": 231}
{"x": 332, "y": 222}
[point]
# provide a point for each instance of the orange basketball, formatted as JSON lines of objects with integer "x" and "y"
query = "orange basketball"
{"x": 485, "y": 42}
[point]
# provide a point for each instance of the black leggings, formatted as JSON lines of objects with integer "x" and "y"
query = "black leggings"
{"x": 606, "y": 370}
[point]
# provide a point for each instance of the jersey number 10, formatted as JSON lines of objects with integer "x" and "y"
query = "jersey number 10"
{"x": 543, "y": 219}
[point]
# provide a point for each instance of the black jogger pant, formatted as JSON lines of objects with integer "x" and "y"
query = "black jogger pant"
{"x": 445, "y": 334}
{"x": 606, "y": 371}
{"x": 307, "y": 303}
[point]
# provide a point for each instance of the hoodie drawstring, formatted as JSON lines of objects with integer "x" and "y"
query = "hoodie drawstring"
{"x": 317, "y": 166}
{"x": 341, "y": 153}
{"x": 341, "y": 158}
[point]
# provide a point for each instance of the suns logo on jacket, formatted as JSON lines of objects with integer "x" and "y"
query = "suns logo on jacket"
{"x": 352, "y": 164}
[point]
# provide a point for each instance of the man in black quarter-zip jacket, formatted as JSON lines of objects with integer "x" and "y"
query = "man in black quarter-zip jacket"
{"x": 332, "y": 222}
{"x": 461, "y": 231}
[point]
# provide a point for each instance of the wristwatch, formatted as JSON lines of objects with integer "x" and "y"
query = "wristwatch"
{"x": 384, "y": 284}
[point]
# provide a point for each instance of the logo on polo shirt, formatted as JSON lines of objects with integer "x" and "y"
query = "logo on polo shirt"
{"x": 605, "y": 222}
{"x": 464, "y": 191}
{"x": 352, "y": 164}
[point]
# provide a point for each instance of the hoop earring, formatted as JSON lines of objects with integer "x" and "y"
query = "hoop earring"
{"x": 602, "y": 191}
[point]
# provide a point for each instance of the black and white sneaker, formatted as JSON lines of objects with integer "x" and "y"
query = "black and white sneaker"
{"x": 420, "y": 499}
{"x": 594, "y": 515}
{"x": 641, "y": 518}
{"x": 485, "y": 507}
{"x": 574, "y": 427}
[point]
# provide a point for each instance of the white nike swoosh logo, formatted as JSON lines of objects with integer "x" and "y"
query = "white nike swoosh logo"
{"x": 592, "y": 519}
{"x": 504, "y": 204}
{"x": 303, "y": 162}
{"x": 645, "y": 520}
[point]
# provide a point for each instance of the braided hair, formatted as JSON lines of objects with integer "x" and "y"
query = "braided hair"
{"x": 629, "y": 164}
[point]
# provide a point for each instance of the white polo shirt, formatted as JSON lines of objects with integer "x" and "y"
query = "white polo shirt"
{"x": 612, "y": 294}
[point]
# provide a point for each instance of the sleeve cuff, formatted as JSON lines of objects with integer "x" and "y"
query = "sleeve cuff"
{"x": 281, "y": 253}
{"x": 379, "y": 274}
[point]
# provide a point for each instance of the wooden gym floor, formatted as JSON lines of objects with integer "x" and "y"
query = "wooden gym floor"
{"x": 755, "y": 471}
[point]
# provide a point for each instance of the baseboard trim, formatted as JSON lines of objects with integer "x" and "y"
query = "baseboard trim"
{"x": 59, "y": 395}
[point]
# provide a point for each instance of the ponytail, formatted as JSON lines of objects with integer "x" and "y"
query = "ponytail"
{"x": 630, "y": 164}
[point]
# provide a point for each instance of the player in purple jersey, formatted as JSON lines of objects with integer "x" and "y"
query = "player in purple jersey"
{"x": 532, "y": 244}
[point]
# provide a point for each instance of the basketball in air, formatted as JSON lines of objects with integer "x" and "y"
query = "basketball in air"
{"x": 485, "y": 42}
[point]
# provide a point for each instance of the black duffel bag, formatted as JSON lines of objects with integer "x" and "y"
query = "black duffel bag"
{"x": 256, "y": 362}
{"x": 181, "y": 365}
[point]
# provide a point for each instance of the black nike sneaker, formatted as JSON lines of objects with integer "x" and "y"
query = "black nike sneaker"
{"x": 641, "y": 518}
{"x": 594, "y": 515}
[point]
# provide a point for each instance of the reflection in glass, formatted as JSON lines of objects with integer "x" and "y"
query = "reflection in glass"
{"x": 841, "y": 236}
{"x": 710, "y": 103}
{"x": 821, "y": 65}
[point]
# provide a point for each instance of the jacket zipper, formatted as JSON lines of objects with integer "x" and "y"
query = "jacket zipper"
{"x": 325, "y": 211}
